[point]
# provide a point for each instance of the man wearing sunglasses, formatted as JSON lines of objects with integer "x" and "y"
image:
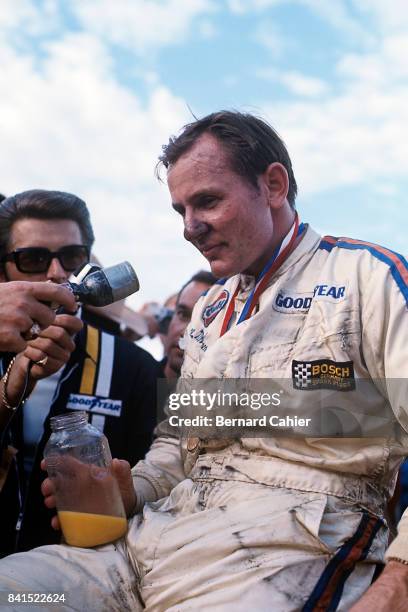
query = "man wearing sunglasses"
{"x": 22, "y": 304}
{"x": 46, "y": 236}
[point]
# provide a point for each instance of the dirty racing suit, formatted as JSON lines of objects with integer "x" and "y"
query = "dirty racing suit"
{"x": 261, "y": 523}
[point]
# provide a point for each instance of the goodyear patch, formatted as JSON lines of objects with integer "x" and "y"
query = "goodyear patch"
{"x": 323, "y": 374}
{"x": 289, "y": 302}
{"x": 99, "y": 405}
{"x": 211, "y": 311}
{"x": 330, "y": 293}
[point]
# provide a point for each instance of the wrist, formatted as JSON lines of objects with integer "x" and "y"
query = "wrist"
{"x": 14, "y": 384}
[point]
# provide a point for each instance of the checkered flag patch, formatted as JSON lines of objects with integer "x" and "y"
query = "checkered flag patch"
{"x": 302, "y": 374}
{"x": 323, "y": 374}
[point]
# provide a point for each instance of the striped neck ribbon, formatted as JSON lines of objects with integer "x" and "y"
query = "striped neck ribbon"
{"x": 280, "y": 254}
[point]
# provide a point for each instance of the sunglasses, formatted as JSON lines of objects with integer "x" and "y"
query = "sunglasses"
{"x": 34, "y": 260}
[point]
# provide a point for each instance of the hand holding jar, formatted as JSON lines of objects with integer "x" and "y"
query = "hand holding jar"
{"x": 87, "y": 496}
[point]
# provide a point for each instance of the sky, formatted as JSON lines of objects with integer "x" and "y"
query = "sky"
{"x": 92, "y": 89}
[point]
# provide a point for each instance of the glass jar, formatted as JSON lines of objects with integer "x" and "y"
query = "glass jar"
{"x": 88, "y": 500}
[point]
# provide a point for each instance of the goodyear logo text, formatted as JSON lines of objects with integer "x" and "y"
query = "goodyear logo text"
{"x": 296, "y": 302}
{"x": 90, "y": 403}
{"x": 330, "y": 291}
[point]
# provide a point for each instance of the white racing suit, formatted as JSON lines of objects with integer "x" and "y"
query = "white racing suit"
{"x": 263, "y": 523}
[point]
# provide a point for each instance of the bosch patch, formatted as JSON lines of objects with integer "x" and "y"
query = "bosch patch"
{"x": 323, "y": 374}
{"x": 211, "y": 311}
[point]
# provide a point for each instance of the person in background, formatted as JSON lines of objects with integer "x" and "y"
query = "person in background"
{"x": 182, "y": 304}
{"x": 45, "y": 236}
{"x": 186, "y": 299}
{"x": 170, "y": 305}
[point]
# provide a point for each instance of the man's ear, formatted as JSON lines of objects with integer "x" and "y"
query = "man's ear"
{"x": 276, "y": 181}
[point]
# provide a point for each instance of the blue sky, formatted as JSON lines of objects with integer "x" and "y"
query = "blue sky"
{"x": 91, "y": 89}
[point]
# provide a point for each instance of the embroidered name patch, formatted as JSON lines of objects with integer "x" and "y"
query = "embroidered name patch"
{"x": 198, "y": 336}
{"x": 211, "y": 311}
{"x": 90, "y": 403}
{"x": 323, "y": 374}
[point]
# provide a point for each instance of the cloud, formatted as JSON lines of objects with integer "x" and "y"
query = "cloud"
{"x": 387, "y": 64}
{"x": 352, "y": 138}
{"x": 17, "y": 13}
{"x": 244, "y": 6}
{"x": 351, "y": 133}
{"x": 141, "y": 25}
{"x": 296, "y": 82}
{"x": 23, "y": 20}
{"x": 336, "y": 13}
{"x": 207, "y": 29}
{"x": 269, "y": 36}
{"x": 384, "y": 16}
{"x": 362, "y": 21}
{"x": 68, "y": 124}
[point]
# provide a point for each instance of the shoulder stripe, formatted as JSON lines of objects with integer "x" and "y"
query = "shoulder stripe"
{"x": 91, "y": 361}
{"x": 107, "y": 354}
{"x": 397, "y": 263}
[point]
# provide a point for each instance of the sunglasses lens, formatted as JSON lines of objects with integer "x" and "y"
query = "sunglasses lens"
{"x": 33, "y": 260}
{"x": 37, "y": 260}
{"x": 72, "y": 257}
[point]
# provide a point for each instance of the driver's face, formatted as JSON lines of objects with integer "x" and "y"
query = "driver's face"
{"x": 226, "y": 218}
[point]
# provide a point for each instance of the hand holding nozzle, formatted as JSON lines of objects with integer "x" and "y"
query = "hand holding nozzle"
{"x": 43, "y": 337}
{"x": 94, "y": 286}
{"x": 23, "y": 305}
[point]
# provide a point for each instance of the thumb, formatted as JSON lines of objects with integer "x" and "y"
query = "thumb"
{"x": 123, "y": 475}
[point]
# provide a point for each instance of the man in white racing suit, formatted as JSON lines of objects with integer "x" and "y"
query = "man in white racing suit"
{"x": 266, "y": 522}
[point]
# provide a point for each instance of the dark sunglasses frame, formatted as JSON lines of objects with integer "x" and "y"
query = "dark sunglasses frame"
{"x": 16, "y": 255}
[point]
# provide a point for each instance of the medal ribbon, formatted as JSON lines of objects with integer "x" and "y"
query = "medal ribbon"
{"x": 281, "y": 252}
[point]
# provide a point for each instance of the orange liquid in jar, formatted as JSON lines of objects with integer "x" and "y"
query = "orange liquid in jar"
{"x": 85, "y": 529}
